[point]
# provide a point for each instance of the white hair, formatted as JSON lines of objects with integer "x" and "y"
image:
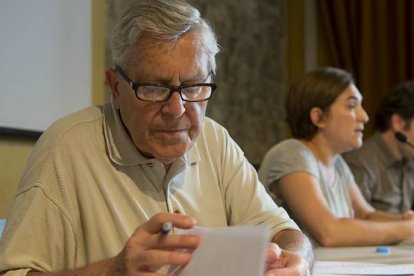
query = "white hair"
{"x": 165, "y": 20}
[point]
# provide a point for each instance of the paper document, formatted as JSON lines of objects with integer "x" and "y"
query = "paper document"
{"x": 235, "y": 250}
{"x": 351, "y": 268}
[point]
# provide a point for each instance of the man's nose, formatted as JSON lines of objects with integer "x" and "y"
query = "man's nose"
{"x": 174, "y": 105}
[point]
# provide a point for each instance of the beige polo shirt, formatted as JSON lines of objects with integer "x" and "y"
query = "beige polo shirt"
{"x": 86, "y": 188}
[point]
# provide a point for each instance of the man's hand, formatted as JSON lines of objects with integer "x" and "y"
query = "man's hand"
{"x": 280, "y": 262}
{"x": 147, "y": 250}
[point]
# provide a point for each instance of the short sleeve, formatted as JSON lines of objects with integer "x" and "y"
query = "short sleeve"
{"x": 287, "y": 157}
{"x": 246, "y": 200}
{"x": 22, "y": 249}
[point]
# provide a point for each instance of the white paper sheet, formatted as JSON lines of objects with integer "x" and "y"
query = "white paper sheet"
{"x": 235, "y": 250}
{"x": 352, "y": 268}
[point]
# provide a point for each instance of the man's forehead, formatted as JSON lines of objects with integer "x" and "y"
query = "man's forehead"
{"x": 149, "y": 53}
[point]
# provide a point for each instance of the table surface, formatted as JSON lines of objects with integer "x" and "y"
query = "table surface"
{"x": 398, "y": 254}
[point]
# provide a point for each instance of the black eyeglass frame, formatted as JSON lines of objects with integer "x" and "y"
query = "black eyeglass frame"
{"x": 136, "y": 85}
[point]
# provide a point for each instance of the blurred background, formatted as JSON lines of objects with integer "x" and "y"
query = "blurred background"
{"x": 266, "y": 45}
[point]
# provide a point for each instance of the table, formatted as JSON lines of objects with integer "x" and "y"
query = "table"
{"x": 365, "y": 260}
{"x": 399, "y": 254}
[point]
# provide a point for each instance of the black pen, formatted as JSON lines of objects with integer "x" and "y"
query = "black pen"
{"x": 166, "y": 228}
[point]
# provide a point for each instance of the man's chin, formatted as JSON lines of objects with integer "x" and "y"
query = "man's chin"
{"x": 172, "y": 137}
{"x": 169, "y": 153}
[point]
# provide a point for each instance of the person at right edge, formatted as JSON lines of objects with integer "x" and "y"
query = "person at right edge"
{"x": 309, "y": 177}
{"x": 384, "y": 166}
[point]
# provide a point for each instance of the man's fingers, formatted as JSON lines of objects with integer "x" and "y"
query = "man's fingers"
{"x": 273, "y": 253}
{"x": 154, "y": 224}
{"x": 170, "y": 242}
{"x": 156, "y": 257}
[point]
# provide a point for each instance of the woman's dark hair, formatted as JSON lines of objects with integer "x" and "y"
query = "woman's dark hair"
{"x": 400, "y": 101}
{"x": 318, "y": 88}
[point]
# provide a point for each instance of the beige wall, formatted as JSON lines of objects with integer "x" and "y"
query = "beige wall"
{"x": 15, "y": 150}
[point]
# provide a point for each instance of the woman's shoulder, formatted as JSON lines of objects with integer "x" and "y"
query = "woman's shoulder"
{"x": 287, "y": 157}
{"x": 290, "y": 152}
{"x": 290, "y": 147}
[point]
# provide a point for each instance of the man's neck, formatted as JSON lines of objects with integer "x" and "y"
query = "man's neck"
{"x": 392, "y": 143}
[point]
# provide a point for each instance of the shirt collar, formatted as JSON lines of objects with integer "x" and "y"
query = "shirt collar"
{"x": 121, "y": 148}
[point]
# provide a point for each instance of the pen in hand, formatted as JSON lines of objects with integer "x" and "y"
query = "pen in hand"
{"x": 166, "y": 228}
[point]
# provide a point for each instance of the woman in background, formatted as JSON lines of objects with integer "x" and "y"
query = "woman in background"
{"x": 308, "y": 175}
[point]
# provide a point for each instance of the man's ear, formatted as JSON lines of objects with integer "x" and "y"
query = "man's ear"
{"x": 397, "y": 123}
{"x": 317, "y": 117}
{"x": 112, "y": 80}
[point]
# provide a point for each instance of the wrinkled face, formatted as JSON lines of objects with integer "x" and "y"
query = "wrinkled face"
{"x": 164, "y": 130}
{"x": 345, "y": 121}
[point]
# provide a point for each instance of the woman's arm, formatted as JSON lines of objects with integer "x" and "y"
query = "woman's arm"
{"x": 304, "y": 197}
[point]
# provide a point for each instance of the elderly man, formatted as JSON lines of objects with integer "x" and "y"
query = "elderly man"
{"x": 384, "y": 166}
{"x": 101, "y": 182}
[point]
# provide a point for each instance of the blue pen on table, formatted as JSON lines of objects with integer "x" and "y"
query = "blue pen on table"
{"x": 384, "y": 250}
{"x": 166, "y": 228}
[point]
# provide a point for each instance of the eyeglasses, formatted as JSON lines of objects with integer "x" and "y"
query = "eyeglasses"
{"x": 149, "y": 92}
